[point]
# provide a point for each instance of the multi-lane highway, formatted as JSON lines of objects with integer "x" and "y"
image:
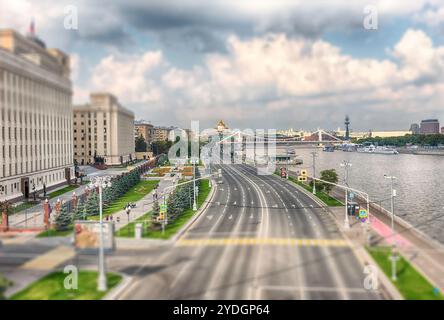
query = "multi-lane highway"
{"x": 260, "y": 238}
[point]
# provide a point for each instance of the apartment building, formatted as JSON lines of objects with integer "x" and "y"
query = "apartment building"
{"x": 103, "y": 129}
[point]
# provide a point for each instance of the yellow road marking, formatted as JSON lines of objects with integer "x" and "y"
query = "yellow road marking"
{"x": 262, "y": 241}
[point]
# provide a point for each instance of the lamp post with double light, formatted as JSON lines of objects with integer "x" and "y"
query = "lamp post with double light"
{"x": 392, "y": 205}
{"x": 346, "y": 165}
{"x": 101, "y": 183}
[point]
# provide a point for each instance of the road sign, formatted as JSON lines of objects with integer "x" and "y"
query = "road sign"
{"x": 363, "y": 215}
{"x": 163, "y": 208}
{"x": 283, "y": 173}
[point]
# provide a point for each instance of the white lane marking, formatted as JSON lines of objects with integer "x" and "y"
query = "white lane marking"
{"x": 209, "y": 217}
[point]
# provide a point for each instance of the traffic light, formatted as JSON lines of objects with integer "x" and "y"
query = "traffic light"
{"x": 304, "y": 173}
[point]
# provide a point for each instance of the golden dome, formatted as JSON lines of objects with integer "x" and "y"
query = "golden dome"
{"x": 221, "y": 125}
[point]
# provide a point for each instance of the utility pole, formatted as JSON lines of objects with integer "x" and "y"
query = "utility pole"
{"x": 194, "y": 186}
{"x": 346, "y": 164}
{"x": 314, "y": 154}
{"x": 394, "y": 246}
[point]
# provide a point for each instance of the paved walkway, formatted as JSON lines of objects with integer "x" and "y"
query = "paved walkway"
{"x": 425, "y": 255}
{"x": 33, "y": 217}
{"x": 38, "y": 268}
{"x": 142, "y": 206}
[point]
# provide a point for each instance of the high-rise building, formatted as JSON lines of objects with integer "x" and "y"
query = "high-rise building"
{"x": 414, "y": 128}
{"x": 35, "y": 116}
{"x": 103, "y": 129}
{"x": 429, "y": 126}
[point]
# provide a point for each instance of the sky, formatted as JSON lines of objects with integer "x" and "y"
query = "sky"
{"x": 256, "y": 64}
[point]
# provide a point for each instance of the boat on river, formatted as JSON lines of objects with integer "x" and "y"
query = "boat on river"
{"x": 377, "y": 150}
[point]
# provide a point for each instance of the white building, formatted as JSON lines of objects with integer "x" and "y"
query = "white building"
{"x": 35, "y": 116}
{"x": 105, "y": 129}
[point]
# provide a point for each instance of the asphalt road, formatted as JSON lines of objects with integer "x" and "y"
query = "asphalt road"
{"x": 260, "y": 238}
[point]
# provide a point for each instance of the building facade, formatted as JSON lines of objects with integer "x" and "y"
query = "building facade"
{"x": 429, "y": 126}
{"x": 35, "y": 116}
{"x": 103, "y": 129}
{"x": 161, "y": 133}
{"x": 144, "y": 129}
{"x": 414, "y": 128}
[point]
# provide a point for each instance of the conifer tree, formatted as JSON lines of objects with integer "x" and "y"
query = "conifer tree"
{"x": 63, "y": 219}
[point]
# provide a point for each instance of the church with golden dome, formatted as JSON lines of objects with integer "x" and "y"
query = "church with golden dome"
{"x": 221, "y": 126}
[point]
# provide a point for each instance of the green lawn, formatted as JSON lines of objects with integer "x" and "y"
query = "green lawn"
{"x": 128, "y": 230}
{"x": 134, "y": 194}
{"x": 324, "y": 197}
{"x": 410, "y": 283}
{"x": 54, "y": 233}
{"x": 51, "y": 287}
{"x": 173, "y": 226}
{"x": 62, "y": 191}
{"x": 23, "y": 206}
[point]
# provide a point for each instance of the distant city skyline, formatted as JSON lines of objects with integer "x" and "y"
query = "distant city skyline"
{"x": 258, "y": 66}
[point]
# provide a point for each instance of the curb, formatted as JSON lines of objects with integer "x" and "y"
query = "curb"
{"x": 112, "y": 295}
{"x": 197, "y": 214}
{"x": 388, "y": 289}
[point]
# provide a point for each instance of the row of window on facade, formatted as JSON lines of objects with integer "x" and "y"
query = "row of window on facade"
{"x": 38, "y": 182}
{"x": 52, "y": 149}
{"x": 42, "y": 134}
{"x": 13, "y": 115}
{"x": 89, "y": 123}
{"x": 33, "y": 165}
{"x": 89, "y": 130}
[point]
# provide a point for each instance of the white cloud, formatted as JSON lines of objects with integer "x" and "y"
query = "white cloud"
{"x": 263, "y": 75}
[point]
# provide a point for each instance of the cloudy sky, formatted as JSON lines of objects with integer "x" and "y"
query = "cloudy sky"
{"x": 256, "y": 64}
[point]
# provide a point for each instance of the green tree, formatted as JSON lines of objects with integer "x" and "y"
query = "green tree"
{"x": 63, "y": 220}
{"x": 92, "y": 205}
{"x": 329, "y": 175}
{"x": 141, "y": 145}
{"x": 80, "y": 212}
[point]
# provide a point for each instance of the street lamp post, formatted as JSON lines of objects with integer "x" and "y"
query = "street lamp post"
{"x": 314, "y": 154}
{"x": 346, "y": 164}
{"x": 392, "y": 205}
{"x": 101, "y": 182}
{"x": 194, "y": 186}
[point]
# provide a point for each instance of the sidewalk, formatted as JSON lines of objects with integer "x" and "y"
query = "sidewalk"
{"x": 33, "y": 217}
{"x": 142, "y": 206}
{"x": 424, "y": 253}
{"x": 38, "y": 268}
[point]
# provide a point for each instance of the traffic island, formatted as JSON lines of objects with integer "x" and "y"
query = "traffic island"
{"x": 51, "y": 287}
{"x": 173, "y": 227}
{"x": 410, "y": 283}
{"x": 321, "y": 195}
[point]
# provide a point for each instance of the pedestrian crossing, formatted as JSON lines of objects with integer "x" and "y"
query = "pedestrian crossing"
{"x": 262, "y": 241}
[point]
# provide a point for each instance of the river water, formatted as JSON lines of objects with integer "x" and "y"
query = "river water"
{"x": 419, "y": 183}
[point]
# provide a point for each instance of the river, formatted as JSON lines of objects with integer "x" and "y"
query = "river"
{"x": 419, "y": 183}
